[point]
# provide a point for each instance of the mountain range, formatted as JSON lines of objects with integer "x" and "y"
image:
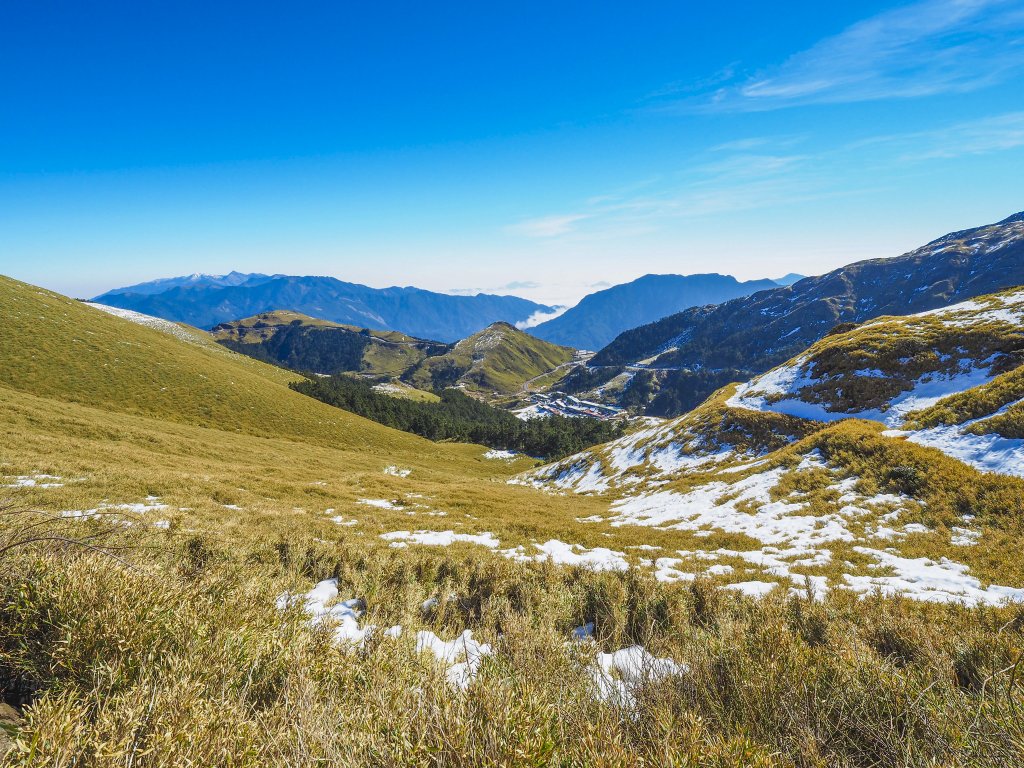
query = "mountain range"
{"x": 186, "y": 532}
{"x": 603, "y": 315}
{"x": 205, "y": 301}
{"x": 695, "y": 351}
{"x": 498, "y": 360}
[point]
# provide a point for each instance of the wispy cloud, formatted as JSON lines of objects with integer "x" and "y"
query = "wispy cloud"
{"x": 520, "y": 285}
{"x": 923, "y": 49}
{"x": 731, "y": 179}
{"x": 970, "y": 137}
{"x": 548, "y": 226}
{"x": 540, "y": 317}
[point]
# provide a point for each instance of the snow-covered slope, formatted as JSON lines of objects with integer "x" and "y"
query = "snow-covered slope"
{"x": 818, "y": 473}
{"x": 699, "y": 349}
{"x": 894, "y": 370}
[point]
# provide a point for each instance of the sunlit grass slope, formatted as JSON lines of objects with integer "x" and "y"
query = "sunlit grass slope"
{"x": 128, "y": 410}
{"x": 55, "y": 347}
{"x": 239, "y": 489}
{"x": 499, "y": 359}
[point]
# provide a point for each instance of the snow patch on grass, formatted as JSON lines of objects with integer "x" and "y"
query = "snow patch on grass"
{"x": 440, "y": 538}
{"x": 988, "y": 453}
{"x": 942, "y": 581}
{"x": 156, "y": 323}
{"x": 379, "y": 503}
{"x": 615, "y": 675}
{"x": 499, "y": 455}
{"x": 34, "y": 481}
{"x": 596, "y": 559}
{"x": 716, "y": 505}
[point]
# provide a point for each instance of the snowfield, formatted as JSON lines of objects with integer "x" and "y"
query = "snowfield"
{"x": 795, "y": 541}
{"x": 779, "y": 391}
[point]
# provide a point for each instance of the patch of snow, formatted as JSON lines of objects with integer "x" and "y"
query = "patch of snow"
{"x": 596, "y": 559}
{"x": 156, "y": 323}
{"x": 617, "y": 675}
{"x": 665, "y": 570}
{"x": 988, "y": 453}
{"x": 441, "y": 538}
{"x": 379, "y": 503}
{"x": 964, "y": 537}
{"x": 716, "y": 505}
{"x": 500, "y": 455}
{"x": 752, "y": 588}
{"x": 779, "y": 390}
{"x": 923, "y": 579}
{"x": 463, "y": 655}
{"x": 34, "y": 481}
{"x": 396, "y": 472}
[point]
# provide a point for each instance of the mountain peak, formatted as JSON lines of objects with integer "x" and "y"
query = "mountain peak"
{"x": 603, "y": 315}
{"x": 713, "y": 345}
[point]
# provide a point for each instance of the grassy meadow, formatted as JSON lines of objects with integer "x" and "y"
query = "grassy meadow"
{"x": 160, "y": 644}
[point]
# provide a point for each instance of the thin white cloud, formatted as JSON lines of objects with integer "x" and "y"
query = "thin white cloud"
{"x": 972, "y": 137}
{"x": 548, "y": 226}
{"x": 732, "y": 182}
{"x": 923, "y": 49}
{"x": 519, "y": 285}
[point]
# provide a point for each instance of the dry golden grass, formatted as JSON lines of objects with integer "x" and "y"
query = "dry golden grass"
{"x": 179, "y": 657}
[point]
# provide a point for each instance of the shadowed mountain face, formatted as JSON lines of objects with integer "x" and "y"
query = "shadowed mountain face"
{"x": 601, "y": 316}
{"x": 747, "y": 336}
{"x": 303, "y": 343}
{"x": 420, "y": 313}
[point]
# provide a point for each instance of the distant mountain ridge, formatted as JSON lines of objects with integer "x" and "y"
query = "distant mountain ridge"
{"x": 701, "y": 348}
{"x": 302, "y": 343}
{"x": 151, "y": 287}
{"x": 205, "y": 301}
{"x": 603, "y": 315}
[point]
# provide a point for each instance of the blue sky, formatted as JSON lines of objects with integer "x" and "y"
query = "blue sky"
{"x": 540, "y": 149}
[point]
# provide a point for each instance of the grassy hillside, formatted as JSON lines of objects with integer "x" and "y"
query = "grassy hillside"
{"x": 498, "y": 359}
{"x": 303, "y": 343}
{"x": 221, "y": 490}
{"x": 61, "y": 349}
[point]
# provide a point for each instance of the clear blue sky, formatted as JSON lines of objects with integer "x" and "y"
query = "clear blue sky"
{"x": 529, "y": 148}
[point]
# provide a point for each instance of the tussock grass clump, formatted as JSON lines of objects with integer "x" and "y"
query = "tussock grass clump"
{"x": 164, "y": 664}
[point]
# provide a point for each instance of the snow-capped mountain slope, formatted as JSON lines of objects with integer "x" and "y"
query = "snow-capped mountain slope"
{"x": 153, "y": 287}
{"x": 747, "y": 336}
{"x": 822, "y": 473}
